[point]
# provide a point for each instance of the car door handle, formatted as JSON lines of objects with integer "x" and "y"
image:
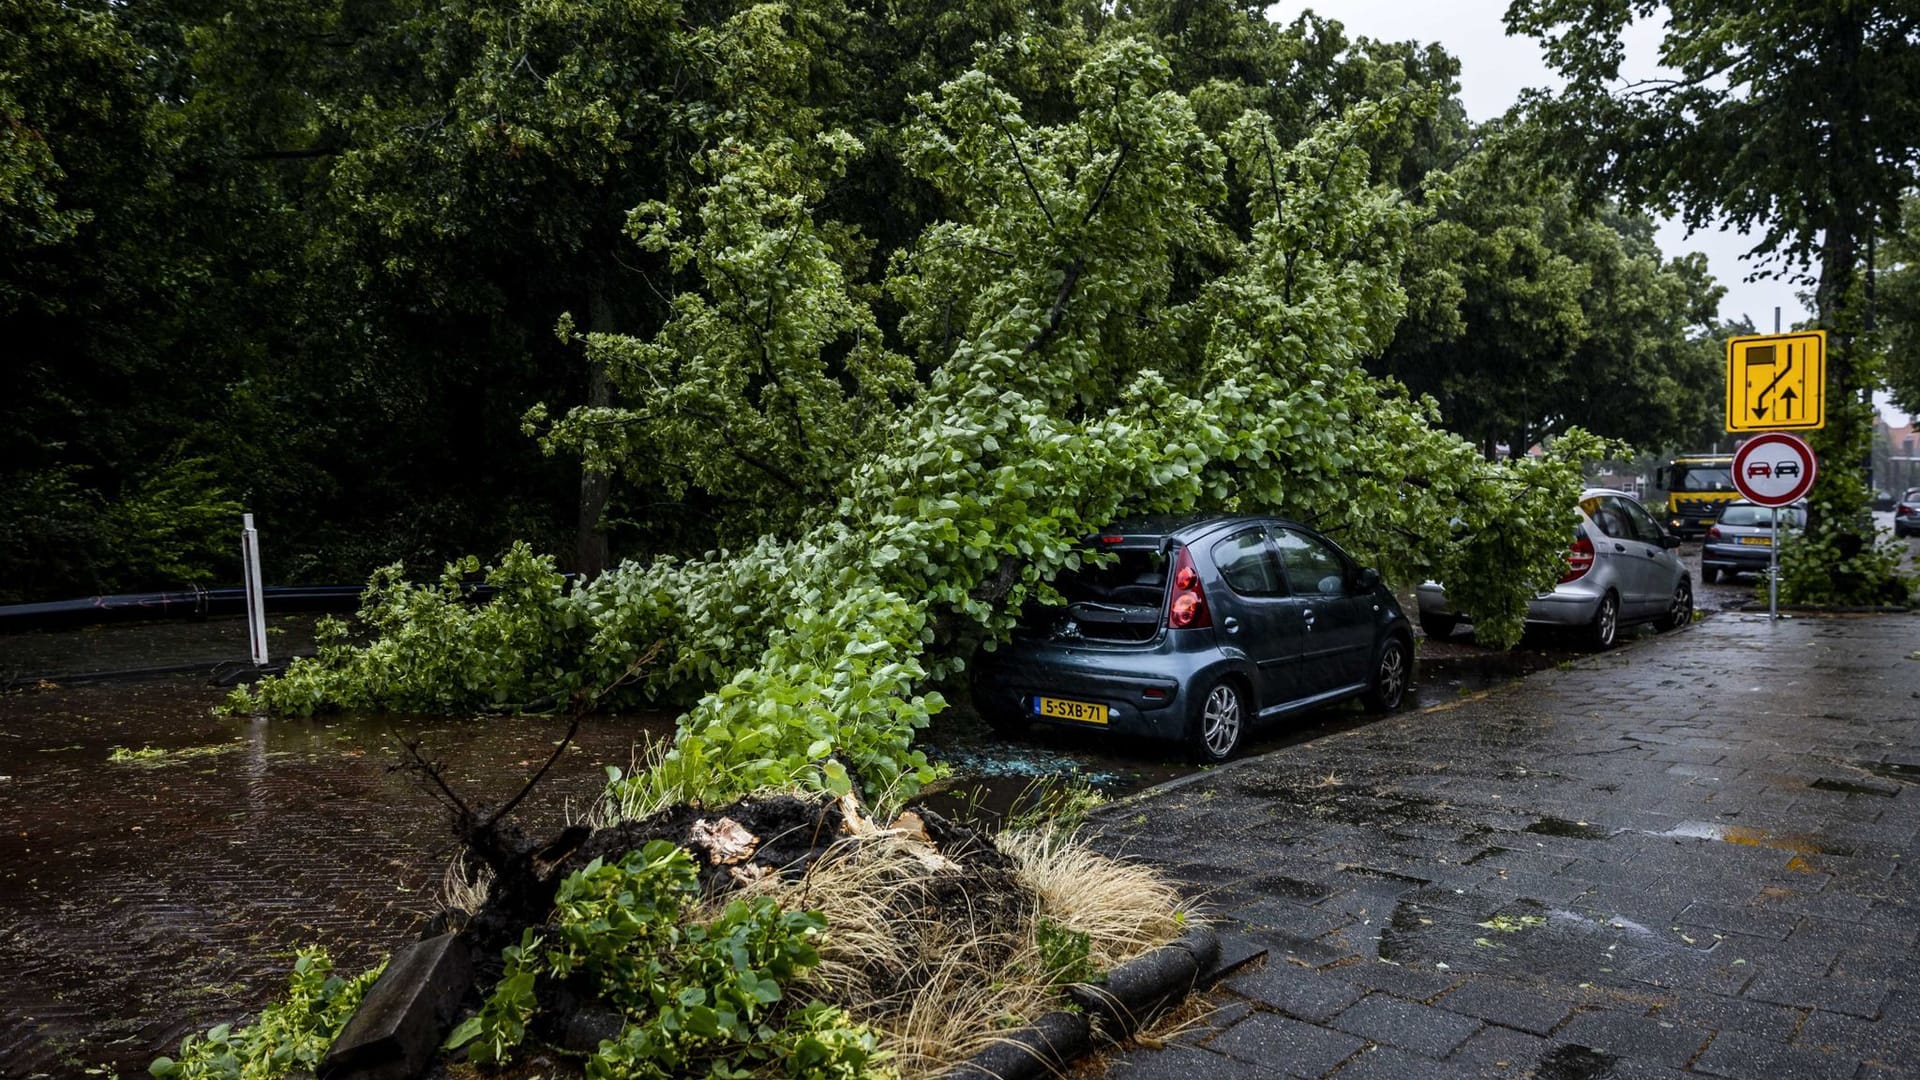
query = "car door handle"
{"x": 1231, "y": 624}
{"x": 1307, "y": 616}
{"x": 1619, "y": 547}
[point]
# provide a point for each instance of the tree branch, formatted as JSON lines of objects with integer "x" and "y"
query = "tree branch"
{"x": 1059, "y": 310}
{"x": 1024, "y": 174}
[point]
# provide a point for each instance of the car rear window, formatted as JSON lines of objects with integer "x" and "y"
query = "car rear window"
{"x": 1123, "y": 600}
{"x": 1759, "y": 516}
{"x": 1137, "y": 576}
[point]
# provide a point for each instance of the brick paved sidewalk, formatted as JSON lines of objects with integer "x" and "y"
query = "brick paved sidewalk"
{"x": 1686, "y": 857}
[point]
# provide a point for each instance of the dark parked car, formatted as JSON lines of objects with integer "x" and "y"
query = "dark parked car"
{"x": 1196, "y": 629}
{"x": 1906, "y": 514}
{"x": 1741, "y": 542}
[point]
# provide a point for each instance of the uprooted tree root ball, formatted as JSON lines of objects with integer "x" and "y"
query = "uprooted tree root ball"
{"x": 787, "y": 935}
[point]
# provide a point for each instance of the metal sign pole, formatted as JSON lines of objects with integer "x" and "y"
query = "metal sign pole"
{"x": 256, "y": 600}
{"x": 1773, "y": 571}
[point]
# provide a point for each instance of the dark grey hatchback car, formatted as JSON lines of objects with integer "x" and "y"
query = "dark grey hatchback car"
{"x": 1196, "y": 629}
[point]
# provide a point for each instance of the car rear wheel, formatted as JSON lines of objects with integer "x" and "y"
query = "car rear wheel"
{"x": 1709, "y": 574}
{"x": 1605, "y": 627}
{"x": 1220, "y": 724}
{"x": 1392, "y": 671}
{"x": 1438, "y": 627}
{"x": 1680, "y": 612}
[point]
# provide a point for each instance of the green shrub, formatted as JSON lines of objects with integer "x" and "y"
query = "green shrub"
{"x": 291, "y": 1034}
{"x": 702, "y": 998}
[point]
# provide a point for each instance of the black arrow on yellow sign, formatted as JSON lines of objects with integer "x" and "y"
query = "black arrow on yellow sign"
{"x": 1760, "y": 406}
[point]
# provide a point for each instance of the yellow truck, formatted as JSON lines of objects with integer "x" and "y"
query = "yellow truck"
{"x": 1697, "y": 486}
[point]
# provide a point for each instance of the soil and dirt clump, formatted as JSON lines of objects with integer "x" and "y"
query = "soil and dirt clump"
{"x": 937, "y": 886}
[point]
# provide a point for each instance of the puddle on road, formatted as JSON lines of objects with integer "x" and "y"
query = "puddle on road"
{"x": 1799, "y": 844}
{"x": 1577, "y": 1063}
{"x": 1892, "y": 770}
{"x": 1848, "y": 787}
{"x": 1573, "y": 830}
{"x": 158, "y": 863}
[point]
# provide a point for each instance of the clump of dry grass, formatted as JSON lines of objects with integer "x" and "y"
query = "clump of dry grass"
{"x": 1124, "y": 908}
{"x": 462, "y": 889}
{"x": 942, "y": 956}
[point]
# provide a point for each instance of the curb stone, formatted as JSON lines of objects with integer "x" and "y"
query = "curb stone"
{"x": 1130, "y": 995}
{"x": 1834, "y": 609}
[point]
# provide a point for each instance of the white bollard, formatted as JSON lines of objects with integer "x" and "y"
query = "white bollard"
{"x": 256, "y": 599}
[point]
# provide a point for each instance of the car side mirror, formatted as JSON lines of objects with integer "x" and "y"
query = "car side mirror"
{"x": 1668, "y": 540}
{"x": 1367, "y": 578}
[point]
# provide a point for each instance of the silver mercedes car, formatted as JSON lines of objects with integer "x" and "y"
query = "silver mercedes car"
{"x": 1621, "y": 570}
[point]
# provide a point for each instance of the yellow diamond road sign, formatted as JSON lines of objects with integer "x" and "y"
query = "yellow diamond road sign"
{"x": 1777, "y": 382}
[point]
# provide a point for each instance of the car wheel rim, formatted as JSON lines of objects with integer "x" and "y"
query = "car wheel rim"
{"x": 1607, "y": 620}
{"x": 1682, "y": 606}
{"x": 1220, "y": 723}
{"x": 1393, "y": 674}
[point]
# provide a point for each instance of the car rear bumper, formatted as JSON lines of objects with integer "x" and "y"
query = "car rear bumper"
{"x": 1146, "y": 691}
{"x": 1742, "y": 558}
{"x": 1571, "y": 604}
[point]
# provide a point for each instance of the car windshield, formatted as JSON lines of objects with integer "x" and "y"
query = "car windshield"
{"x": 1705, "y": 479}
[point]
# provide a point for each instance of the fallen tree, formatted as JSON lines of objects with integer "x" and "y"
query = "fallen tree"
{"x": 1075, "y": 369}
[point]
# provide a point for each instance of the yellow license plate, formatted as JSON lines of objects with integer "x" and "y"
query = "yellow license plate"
{"x": 1061, "y": 709}
{"x": 1760, "y": 540}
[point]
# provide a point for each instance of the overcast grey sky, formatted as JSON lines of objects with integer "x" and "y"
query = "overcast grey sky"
{"x": 1494, "y": 68}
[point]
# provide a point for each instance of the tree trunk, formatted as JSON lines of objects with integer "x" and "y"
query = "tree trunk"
{"x": 591, "y": 555}
{"x": 1830, "y": 512}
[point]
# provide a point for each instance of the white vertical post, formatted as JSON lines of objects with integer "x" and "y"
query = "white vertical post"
{"x": 1773, "y": 571}
{"x": 256, "y": 599}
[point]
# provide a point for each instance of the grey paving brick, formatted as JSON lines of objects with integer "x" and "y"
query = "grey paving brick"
{"x": 1388, "y": 1063}
{"x": 1507, "y": 1004}
{"x": 1412, "y": 983}
{"x": 1714, "y": 1012}
{"x": 1284, "y": 947}
{"x": 1813, "y": 992}
{"x": 1690, "y": 969}
{"x": 1224, "y": 1014}
{"x": 1309, "y": 995}
{"x": 1873, "y": 1041}
{"x": 1293, "y": 918}
{"x": 1738, "y": 1054}
{"x": 1183, "y": 1063}
{"x": 1632, "y": 1035}
{"x": 1500, "y": 1052}
{"x": 1753, "y": 920}
{"x": 1286, "y": 1045}
{"x": 1386, "y": 1019}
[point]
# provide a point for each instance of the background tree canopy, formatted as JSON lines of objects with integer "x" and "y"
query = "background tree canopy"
{"x": 1794, "y": 121}
{"x": 311, "y": 258}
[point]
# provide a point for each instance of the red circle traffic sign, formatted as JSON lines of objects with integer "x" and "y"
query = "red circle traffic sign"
{"x": 1774, "y": 469}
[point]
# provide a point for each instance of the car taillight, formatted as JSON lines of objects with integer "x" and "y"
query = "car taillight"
{"x": 1713, "y": 533}
{"x": 1579, "y": 559}
{"x": 1906, "y": 510}
{"x": 1189, "y": 608}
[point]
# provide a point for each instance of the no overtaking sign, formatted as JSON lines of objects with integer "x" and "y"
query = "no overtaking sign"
{"x": 1774, "y": 469}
